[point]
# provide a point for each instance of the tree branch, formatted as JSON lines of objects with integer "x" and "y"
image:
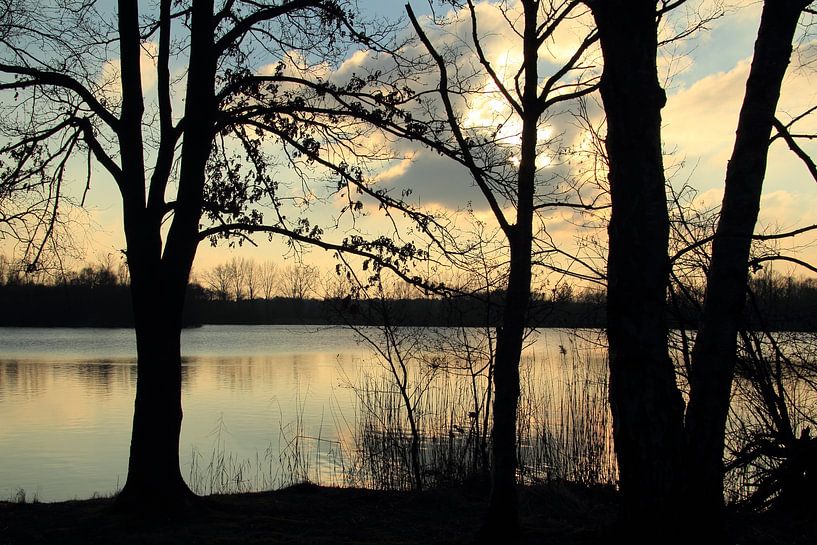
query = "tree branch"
{"x": 56, "y": 79}
{"x": 245, "y": 25}
{"x": 776, "y": 236}
{"x": 758, "y": 260}
{"x": 487, "y": 65}
{"x": 455, "y": 128}
{"x": 783, "y": 132}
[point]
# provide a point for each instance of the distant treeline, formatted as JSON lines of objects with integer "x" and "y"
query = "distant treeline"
{"x": 93, "y": 298}
{"x": 98, "y": 296}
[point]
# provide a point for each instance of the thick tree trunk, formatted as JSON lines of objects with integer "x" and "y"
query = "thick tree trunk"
{"x": 154, "y": 482}
{"x": 713, "y": 356}
{"x": 647, "y": 407}
{"x": 159, "y": 277}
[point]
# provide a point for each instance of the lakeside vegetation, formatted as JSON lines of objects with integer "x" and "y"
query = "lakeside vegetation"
{"x": 567, "y": 466}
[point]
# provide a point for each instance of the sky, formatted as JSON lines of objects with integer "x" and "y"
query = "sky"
{"x": 704, "y": 77}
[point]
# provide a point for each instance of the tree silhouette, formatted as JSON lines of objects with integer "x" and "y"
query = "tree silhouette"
{"x": 670, "y": 463}
{"x": 425, "y": 98}
{"x": 191, "y": 160}
{"x": 646, "y": 405}
{"x": 299, "y": 281}
{"x": 714, "y": 353}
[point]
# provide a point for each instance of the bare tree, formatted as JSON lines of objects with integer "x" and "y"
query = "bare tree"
{"x": 671, "y": 467}
{"x": 72, "y": 84}
{"x": 427, "y": 101}
{"x": 237, "y": 272}
{"x": 267, "y": 273}
{"x": 714, "y": 353}
{"x": 509, "y": 169}
{"x": 217, "y": 280}
{"x": 501, "y": 176}
{"x": 5, "y": 269}
{"x": 299, "y": 281}
{"x": 251, "y": 278}
{"x": 646, "y": 405}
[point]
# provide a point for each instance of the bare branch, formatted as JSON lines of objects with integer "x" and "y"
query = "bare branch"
{"x": 486, "y": 63}
{"x": 57, "y": 79}
{"x": 783, "y": 132}
{"x": 776, "y": 236}
{"x": 758, "y": 260}
{"x": 476, "y": 172}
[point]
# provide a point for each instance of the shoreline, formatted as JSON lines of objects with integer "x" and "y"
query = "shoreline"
{"x": 557, "y": 512}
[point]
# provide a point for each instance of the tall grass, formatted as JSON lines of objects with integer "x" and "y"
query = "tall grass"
{"x": 295, "y": 457}
{"x": 432, "y": 426}
{"x": 564, "y": 427}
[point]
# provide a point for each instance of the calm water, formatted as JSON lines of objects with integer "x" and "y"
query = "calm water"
{"x": 66, "y": 399}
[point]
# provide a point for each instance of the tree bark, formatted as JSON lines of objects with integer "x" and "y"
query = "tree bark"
{"x": 713, "y": 356}
{"x": 647, "y": 407}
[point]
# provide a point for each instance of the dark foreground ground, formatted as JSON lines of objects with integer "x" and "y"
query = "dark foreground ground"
{"x": 308, "y": 514}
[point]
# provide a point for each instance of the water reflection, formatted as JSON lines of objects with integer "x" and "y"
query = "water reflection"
{"x": 66, "y": 400}
{"x": 25, "y": 378}
{"x": 29, "y": 379}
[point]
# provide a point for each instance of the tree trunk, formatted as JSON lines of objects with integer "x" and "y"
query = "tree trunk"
{"x": 159, "y": 280}
{"x": 502, "y": 522}
{"x": 154, "y": 482}
{"x": 646, "y": 405}
{"x": 713, "y": 356}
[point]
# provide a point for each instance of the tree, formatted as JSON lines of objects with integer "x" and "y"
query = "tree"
{"x": 671, "y": 466}
{"x": 251, "y": 278}
{"x": 299, "y": 281}
{"x": 528, "y": 101}
{"x": 714, "y": 353}
{"x": 67, "y": 101}
{"x": 509, "y": 168}
{"x": 268, "y": 278}
{"x": 218, "y": 281}
{"x": 646, "y": 405}
{"x": 237, "y": 270}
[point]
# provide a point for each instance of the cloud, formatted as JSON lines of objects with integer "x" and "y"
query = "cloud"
{"x": 699, "y": 127}
{"x": 787, "y": 209}
{"x": 433, "y": 179}
{"x": 110, "y": 75}
{"x": 700, "y": 120}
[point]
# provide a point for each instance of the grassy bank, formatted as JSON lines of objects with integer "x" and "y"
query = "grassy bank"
{"x": 310, "y": 514}
{"x": 556, "y": 513}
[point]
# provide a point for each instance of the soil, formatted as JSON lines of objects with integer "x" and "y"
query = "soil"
{"x": 308, "y": 514}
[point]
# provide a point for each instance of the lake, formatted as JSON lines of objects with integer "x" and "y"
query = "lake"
{"x": 254, "y": 397}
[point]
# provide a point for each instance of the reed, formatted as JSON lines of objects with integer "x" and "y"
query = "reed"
{"x": 564, "y": 426}
{"x": 424, "y": 421}
{"x": 432, "y": 427}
